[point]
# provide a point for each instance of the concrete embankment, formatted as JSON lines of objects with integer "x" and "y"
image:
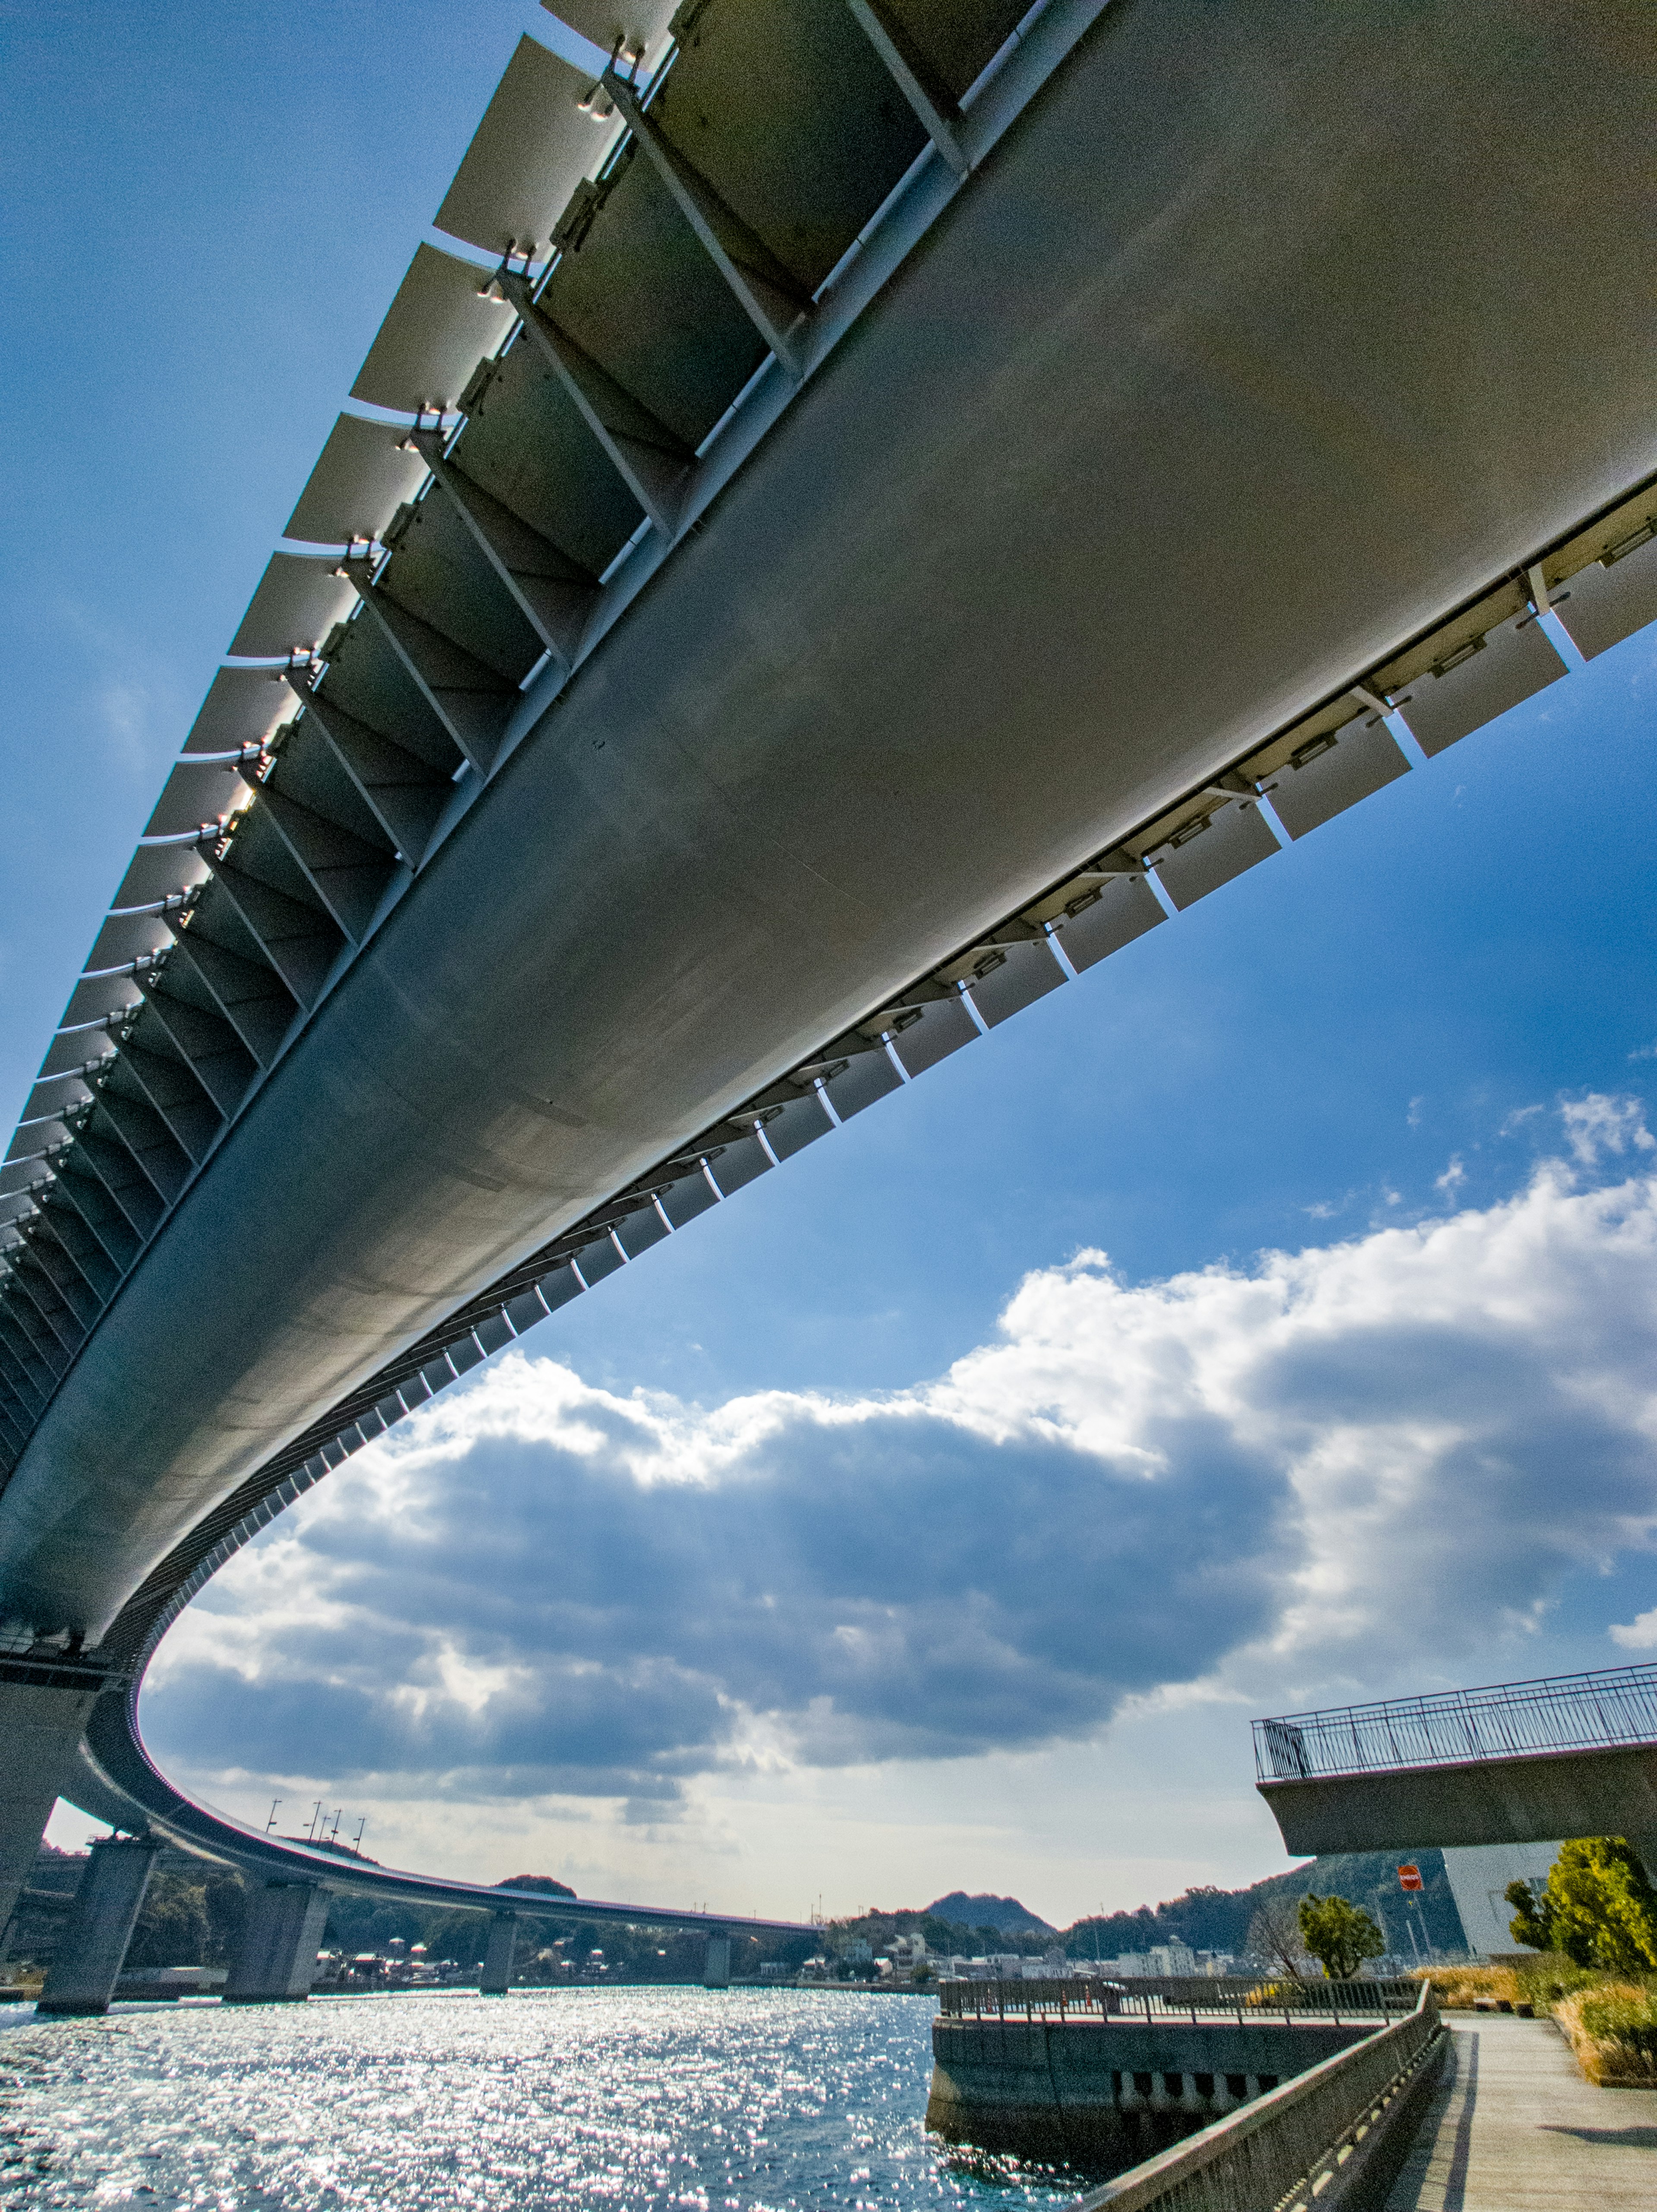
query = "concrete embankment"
{"x": 1106, "y": 2094}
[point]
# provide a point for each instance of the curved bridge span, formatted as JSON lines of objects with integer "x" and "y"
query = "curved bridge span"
{"x": 887, "y": 502}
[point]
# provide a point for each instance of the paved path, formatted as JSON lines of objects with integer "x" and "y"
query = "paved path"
{"x": 1514, "y": 2126}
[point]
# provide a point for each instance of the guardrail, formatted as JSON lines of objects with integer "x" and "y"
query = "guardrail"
{"x": 1279, "y": 2150}
{"x": 1176, "y": 1997}
{"x": 1560, "y": 1712}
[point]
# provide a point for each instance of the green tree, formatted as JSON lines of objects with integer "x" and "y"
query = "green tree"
{"x": 1339, "y": 1934}
{"x": 1598, "y": 1907}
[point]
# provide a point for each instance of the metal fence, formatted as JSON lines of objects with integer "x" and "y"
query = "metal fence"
{"x": 1177, "y": 1996}
{"x": 1560, "y": 1712}
{"x": 1277, "y": 2150}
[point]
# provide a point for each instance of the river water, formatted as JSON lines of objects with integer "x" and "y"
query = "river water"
{"x": 737, "y": 2101}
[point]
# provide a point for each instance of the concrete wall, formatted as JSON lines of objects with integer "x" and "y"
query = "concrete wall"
{"x": 1106, "y": 2094}
{"x": 1479, "y": 1874}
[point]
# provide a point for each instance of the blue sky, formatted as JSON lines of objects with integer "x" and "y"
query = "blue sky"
{"x": 1389, "y": 1023}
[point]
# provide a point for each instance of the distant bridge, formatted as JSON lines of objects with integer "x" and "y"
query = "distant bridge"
{"x": 902, "y": 499}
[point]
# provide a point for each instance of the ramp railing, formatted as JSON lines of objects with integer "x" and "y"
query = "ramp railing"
{"x": 1176, "y": 1997}
{"x": 1286, "y": 2147}
{"x": 1560, "y": 1712}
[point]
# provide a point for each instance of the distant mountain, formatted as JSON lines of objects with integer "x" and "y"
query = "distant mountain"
{"x": 1005, "y": 1914}
{"x": 1210, "y": 1919}
{"x": 544, "y": 1882}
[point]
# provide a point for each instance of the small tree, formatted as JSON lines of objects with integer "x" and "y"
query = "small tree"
{"x": 1339, "y": 1934}
{"x": 1598, "y": 1907}
{"x": 1274, "y": 1934}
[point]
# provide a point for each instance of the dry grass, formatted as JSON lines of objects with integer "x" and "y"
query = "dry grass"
{"x": 1456, "y": 1987}
{"x": 1612, "y": 2029}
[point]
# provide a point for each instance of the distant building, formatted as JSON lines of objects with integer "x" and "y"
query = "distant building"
{"x": 1171, "y": 1959}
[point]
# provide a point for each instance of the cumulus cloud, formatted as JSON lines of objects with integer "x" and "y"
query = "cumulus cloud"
{"x": 1339, "y": 1465}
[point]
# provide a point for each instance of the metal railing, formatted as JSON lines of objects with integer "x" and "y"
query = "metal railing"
{"x": 1277, "y": 2150}
{"x": 1176, "y": 1997}
{"x": 1560, "y": 1712}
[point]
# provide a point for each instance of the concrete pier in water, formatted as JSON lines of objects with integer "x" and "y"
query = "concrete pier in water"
{"x": 40, "y": 1726}
{"x": 496, "y": 1977}
{"x": 1109, "y": 2092}
{"x": 275, "y": 1963}
{"x": 93, "y": 1946}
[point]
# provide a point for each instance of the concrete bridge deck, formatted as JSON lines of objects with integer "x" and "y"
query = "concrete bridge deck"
{"x": 1514, "y": 2125}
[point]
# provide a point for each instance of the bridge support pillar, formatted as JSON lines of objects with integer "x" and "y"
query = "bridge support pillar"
{"x": 276, "y": 1961}
{"x": 92, "y": 1949}
{"x": 496, "y": 1977}
{"x": 40, "y": 1729}
{"x": 716, "y": 1964}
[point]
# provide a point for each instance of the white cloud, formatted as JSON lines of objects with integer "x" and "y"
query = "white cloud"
{"x": 1453, "y": 1176}
{"x": 1598, "y": 1124}
{"x": 1638, "y": 1634}
{"x": 1343, "y": 1470}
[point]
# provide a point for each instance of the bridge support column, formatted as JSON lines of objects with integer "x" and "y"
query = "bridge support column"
{"x": 496, "y": 1977}
{"x": 716, "y": 1965}
{"x": 40, "y": 1729}
{"x": 92, "y": 1949}
{"x": 276, "y": 1961}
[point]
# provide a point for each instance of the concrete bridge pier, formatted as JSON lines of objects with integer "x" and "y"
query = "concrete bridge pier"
{"x": 276, "y": 1961}
{"x": 716, "y": 1965}
{"x": 40, "y": 1727}
{"x": 496, "y": 1977}
{"x": 92, "y": 1949}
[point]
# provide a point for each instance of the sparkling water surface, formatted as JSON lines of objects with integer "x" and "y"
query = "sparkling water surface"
{"x": 735, "y": 2101}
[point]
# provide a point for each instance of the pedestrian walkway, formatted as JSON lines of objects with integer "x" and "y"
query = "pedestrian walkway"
{"x": 1512, "y": 2125}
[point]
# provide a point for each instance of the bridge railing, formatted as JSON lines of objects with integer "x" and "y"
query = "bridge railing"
{"x": 1176, "y": 1997}
{"x": 1282, "y": 2149}
{"x": 1561, "y": 1712}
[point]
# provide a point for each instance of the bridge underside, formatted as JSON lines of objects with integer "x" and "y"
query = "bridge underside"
{"x": 1538, "y": 1798}
{"x": 1268, "y": 336}
{"x": 1267, "y": 339}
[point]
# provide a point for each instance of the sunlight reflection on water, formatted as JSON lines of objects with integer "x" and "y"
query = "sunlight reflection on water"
{"x": 640, "y": 2100}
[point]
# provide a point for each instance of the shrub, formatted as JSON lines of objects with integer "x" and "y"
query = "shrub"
{"x": 1613, "y": 2028}
{"x": 1598, "y": 1907}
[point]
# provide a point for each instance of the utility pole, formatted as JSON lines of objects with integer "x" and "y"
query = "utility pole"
{"x": 271, "y": 1823}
